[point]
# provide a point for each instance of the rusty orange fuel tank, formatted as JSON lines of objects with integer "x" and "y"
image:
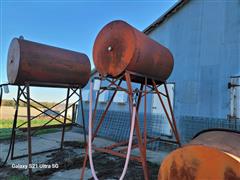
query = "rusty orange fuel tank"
{"x": 213, "y": 155}
{"x": 119, "y": 47}
{"x": 42, "y": 65}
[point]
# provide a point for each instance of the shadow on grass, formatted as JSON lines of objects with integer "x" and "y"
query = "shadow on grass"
{"x": 5, "y": 133}
{"x": 20, "y": 177}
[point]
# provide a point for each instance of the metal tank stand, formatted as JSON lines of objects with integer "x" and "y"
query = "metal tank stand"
{"x": 150, "y": 86}
{"x": 23, "y": 95}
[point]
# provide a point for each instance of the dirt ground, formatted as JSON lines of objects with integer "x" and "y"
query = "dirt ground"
{"x": 106, "y": 165}
{"x": 70, "y": 160}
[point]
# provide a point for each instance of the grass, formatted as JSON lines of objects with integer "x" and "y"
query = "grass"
{"x": 20, "y": 177}
{"x": 7, "y": 123}
{"x": 6, "y": 127}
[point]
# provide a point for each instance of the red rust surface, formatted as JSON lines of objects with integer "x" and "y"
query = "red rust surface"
{"x": 43, "y": 65}
{"x": 199, "y": 162}
{"x": 211, "y": 155}
{"x": 120, "y": 47}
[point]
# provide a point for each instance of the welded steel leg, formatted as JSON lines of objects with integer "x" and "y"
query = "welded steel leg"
{"x": 1, "y": 95}
{"x": 29, "y": 132}
{"x": 83, "y": 118}
{"x": 172, "y": 114}
{"x": 98, "y": 126}
{"x": 145, "y": 114}
{"x": 142, "y": 148}
{"x": 15, "y": 123}
{"x": 73, "y": 113}
{"x": 86, "y": 148}
{"x": 65, "y": 118}
{"x": 165, "y": 110}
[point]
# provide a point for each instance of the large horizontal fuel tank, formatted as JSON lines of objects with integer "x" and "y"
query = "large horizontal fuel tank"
{"x": 120, "y": 47}
{"x": 213, "y": 154}
{"x": 42, "y": 65}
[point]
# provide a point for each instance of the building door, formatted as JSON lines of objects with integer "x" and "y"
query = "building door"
{"x": 235, "y": 98}
{"x": 159, "y": 120}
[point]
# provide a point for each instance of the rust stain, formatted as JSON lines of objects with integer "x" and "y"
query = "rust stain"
{"x": 174, "y": 171}
{"x": 120, "y": 47}
{"x": 185, "y": 171}
{"x": 199, "y": 162}
{"x": 230, "y": 174}
{"x": 43, "y": 65}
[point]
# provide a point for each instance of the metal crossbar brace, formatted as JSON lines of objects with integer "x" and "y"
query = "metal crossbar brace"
{"x": 26, "y": 95}
{"x": 141, "y": 140}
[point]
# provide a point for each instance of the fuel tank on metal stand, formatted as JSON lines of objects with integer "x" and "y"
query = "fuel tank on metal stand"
{"x": 120, "y": 47}
{"x": 42, "y": 65}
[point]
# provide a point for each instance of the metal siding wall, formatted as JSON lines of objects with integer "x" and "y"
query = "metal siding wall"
{"x": 204, "y": 39}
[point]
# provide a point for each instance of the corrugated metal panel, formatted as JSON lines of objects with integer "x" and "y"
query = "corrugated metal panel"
{"x": 205, "y": 46}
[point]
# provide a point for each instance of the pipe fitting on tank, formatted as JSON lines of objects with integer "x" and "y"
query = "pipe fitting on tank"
{"x": 109, "y": 48}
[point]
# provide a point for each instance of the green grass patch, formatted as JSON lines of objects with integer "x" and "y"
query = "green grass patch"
{"x": 5, "y": 133}
{"x": 7, "y": 123}
{"x": 20, "y": 177}
{"x": 6, "y": 127}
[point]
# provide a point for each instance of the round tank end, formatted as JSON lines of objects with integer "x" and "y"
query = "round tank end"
{"x": 114, "y": 48}
{"x": 13, "y": 60}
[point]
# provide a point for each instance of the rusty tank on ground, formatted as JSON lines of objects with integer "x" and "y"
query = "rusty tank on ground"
{"x": 42, "y": 65}
{"x": 213, "y": 154}
{"x": 120, "y": 47}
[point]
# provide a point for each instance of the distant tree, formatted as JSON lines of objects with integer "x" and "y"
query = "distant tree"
{"x": 12, "y": 103}
{"x": 6, "y": 102}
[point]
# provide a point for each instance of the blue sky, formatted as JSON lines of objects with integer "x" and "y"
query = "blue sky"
{"x": 68, "y": 24}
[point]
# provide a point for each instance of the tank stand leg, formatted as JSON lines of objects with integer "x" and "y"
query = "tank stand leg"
{"x": 98, "y": 125}
{"x": 141, "y": 146}
{"x": 83, "y": 118}
{"x": 65, "y": 118}
{"x": 171, "y": 120}
{"x": 29, "y": 132}
{"x": 15, "y": 123}
{"x": 172, "y": 115}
